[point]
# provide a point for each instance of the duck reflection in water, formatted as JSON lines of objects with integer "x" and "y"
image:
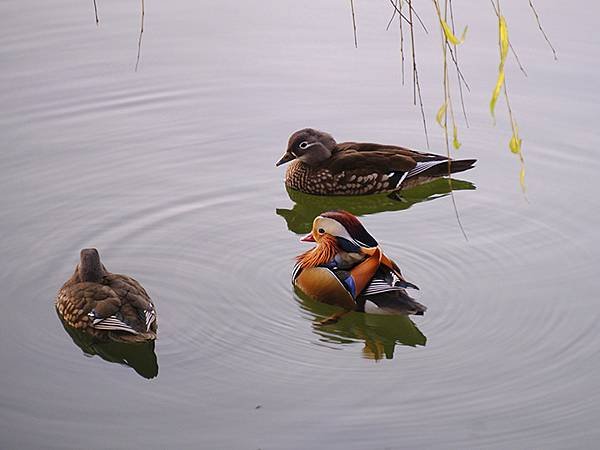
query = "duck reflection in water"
{"x": 306, "y": 206}
{"x": 380, "y": 334}
{"x": 140, "y": 356}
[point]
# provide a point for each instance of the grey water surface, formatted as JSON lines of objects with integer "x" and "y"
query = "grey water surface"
{"x": 169, "y": 172}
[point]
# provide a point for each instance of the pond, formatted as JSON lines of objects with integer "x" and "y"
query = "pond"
{"x": 169, "y": 171}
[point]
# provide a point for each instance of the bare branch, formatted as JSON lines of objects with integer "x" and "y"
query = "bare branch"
{"x": 354, "y": 23}
{"x": 537, "y": 18}
{"x": 416, "y": 84}
{"x": 96, "y": 12}
{"x": 137, "y": 61}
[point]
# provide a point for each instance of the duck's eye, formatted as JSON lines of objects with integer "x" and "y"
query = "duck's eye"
{"x": 321, "y": 231}
{"x": 303, "y": 145}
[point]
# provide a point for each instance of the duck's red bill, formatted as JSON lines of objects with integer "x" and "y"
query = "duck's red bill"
{"x": 308, "y": 238}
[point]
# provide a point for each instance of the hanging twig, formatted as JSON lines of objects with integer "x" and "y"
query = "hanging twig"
{"x": 96, "y": 12}
{"x": 137, "y": 61}
{"x": 515, "y": 143}
{"x": 391, "y": 19}
{"x": 513, "y": 125}
{"x": 537, "y": 18}
{"x": 416, "y": 84}
{"x": 396, "y": 9}
{"x": 354, "y": 23}
{"x": 412, "y": 11}
{"x": 461, "y": 78}
{"x": 401, "y": 41}
{"x": 460, "y": 74}
{"x": 448, "y": 106}
{"x": 517, "y": 58}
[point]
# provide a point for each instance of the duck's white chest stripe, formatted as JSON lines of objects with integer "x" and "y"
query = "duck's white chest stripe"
{"x": 400, "y": 180}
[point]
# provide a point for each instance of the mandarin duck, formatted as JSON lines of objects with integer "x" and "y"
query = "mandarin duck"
{"x": 106, "y": 305}
{"x": 321, "y": 166}
{"x": 347, "y": 268}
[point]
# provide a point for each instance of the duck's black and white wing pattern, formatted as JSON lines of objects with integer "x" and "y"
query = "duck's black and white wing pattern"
{"x": 386, "y": 294}
{"x": 116, "y": 322}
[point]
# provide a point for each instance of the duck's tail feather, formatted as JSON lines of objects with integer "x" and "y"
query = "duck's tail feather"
{"x": 440, "y": 168}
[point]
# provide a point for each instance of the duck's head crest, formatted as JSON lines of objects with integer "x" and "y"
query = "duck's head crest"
{"x": 309, "y": 146}
{"x": 341, "y": 224}
{"x": 90, "y": 268}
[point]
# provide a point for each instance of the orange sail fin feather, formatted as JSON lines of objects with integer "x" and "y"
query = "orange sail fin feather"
{"x": 363, "y": 273}
{"x": 385, "y": 261}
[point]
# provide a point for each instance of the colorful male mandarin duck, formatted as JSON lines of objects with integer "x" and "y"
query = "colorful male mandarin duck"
{"x": 321, "y": 166}
{"x": 347, "y": 268}
{"x": 106, "y": 305}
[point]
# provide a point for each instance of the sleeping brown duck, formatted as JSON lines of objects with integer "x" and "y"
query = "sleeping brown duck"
{"x": 106, "y": 305}
{"x": 321, "y": 166}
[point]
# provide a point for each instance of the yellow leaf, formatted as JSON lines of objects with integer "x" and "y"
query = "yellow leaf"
{"x": 522, "y": 177}
{"x": 504, "y": 45}
{"x": 496, "y": 92}
{"x": 450, "y": 35}
{"x": 441, "y": 115}
{"x": 455, "y": 142}
{"x": 515, "y": 142}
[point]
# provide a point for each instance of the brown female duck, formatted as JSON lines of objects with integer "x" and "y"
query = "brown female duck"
{"x": 321, "y": 166}
{"x": 106, "y": 305}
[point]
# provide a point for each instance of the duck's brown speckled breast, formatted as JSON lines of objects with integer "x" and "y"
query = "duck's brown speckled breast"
{"x": 321, "y": 181}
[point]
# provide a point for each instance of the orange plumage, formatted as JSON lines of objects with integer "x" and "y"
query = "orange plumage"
{"x": 323, "y": 253}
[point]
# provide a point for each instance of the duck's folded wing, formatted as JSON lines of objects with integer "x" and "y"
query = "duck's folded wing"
{"x": 364, "y": 163}
{"x": 383, "y": 283}
{"x": 386, "y": 295}
{"x": 367, "y": 147}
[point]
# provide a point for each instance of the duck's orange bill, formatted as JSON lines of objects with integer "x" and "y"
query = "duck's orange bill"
{"x": 308, "y": 238}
